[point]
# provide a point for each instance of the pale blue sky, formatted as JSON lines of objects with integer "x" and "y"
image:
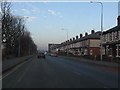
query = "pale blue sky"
{"x": 46, "y": 19}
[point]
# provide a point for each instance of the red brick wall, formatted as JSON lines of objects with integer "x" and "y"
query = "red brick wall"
{"x": 95, "y": 51}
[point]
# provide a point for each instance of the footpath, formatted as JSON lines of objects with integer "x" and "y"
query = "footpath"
{"x": 10, "y": 63}
{"x": 95, "y": 62}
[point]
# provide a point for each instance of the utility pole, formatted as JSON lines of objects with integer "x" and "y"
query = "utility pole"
{"x": 101, "y": 56}
{"x": 67, "y": 38}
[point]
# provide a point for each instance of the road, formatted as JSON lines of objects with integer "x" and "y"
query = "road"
{"x": 58, "y": 72}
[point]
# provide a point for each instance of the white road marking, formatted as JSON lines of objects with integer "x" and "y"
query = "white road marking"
{"x": 14, "y": 69}
{"x": 21, "y": 76}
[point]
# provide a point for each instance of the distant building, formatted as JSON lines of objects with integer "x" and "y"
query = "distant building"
{"x": 111, "y": 41}
{"x": 53, "y": 47}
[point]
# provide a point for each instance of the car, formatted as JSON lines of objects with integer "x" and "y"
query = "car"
{"x": 54, "y": 55}
{"x": 41, "y": 55}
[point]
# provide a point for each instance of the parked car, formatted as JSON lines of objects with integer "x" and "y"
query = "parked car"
{"x": 41, "y": 55}
{"x": 54, "y": 55}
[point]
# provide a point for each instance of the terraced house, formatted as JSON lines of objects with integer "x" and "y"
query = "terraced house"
{"x": 111, "y": 41}
{"x": 87, "y": 45}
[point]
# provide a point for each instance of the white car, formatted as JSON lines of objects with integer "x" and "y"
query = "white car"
{"x": 54, "y": 55}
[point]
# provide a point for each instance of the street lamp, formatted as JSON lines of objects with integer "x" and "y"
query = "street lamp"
{"x": 101, "y": 26}
{"x": 67, "y": 38}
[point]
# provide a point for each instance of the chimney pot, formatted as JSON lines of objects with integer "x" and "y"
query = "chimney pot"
{"x": 118, "y": 19}
{"x": 80, "y": 35}
{"x": 76, "y": 37}
{"x": 86, "y": 34}
{"x": 92, "y": 31}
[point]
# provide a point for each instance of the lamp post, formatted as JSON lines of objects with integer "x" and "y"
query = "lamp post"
{"x": 101, "y": 27}
{"x": 67, "y": 38}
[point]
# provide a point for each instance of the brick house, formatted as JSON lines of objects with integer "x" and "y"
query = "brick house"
{"x": 111, "y": 42}
{"x": 83, "y": 46}
{"x": 87, "y": 45}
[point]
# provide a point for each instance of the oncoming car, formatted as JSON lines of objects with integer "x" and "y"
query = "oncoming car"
{"x": 41, "y": 55}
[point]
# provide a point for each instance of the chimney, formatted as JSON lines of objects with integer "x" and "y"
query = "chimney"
{"x": 86, "y": 34}
{"x": 118, "y": 19}
{"x": 70, "y": 39}
{"x": 92, "y": 31}
{"x": 73, "y": 38}
{"x": 81, "y": 35}
{"x": 76, "y": 37}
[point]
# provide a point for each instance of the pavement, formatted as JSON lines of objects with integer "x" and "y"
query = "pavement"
{"x": 10, "y": 63}
{"x": 88, "y": 61}
{"x": 59, "y": 72}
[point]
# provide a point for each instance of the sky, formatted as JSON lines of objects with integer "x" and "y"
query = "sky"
{"x": 45, "y": 20}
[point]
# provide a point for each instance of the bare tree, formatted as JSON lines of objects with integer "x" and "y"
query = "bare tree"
{"x": 6, "y": 19}
{"x": 28, "y": 45}
{"x": 14, "y": 31}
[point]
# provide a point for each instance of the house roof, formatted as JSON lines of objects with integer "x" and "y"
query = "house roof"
{"x": 90, "y": 36}
{"x": 116, "y": 28}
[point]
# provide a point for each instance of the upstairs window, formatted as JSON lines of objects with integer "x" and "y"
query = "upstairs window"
{"x": 110, "y": 37}
{"x": 119, "y": 34}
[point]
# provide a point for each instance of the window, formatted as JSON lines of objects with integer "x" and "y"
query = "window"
{"x": 85, "y": 52}
{"x": 110, "y": 37}
{"x": 118, "y": 50}
{"x": 119, "y": 34}
{"x": 103, "y": 38}
{"x": 116, "y": 35}
{"x": 110, "y": 52}
{"x": 103, "y": 50}
{"x": 91, "y": 52}
{"x": 80, "y": 44}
